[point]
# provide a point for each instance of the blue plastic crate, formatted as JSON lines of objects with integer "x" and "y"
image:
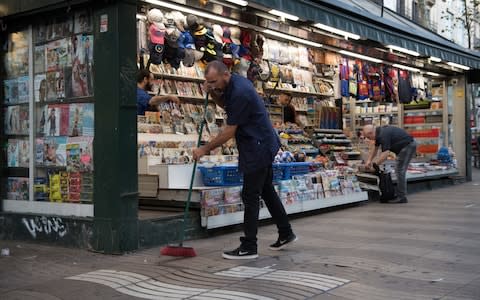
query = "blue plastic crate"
{"x": 296, "y": 168}
{"x": 221, "y": 176}
{"x": 277, "y": 172}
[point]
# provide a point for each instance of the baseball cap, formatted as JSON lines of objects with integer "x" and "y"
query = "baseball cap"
{"x": 157, "y": 33}
{"x": 235, "y": 34}
{"x": 226, "y": 35}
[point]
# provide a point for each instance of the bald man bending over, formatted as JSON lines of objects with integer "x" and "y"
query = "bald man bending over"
{"x": 398, "y": 141}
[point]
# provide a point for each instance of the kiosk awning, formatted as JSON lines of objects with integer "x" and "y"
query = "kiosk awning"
{"x": 365, "y": 19}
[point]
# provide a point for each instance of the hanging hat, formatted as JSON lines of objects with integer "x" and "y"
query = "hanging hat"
{"x": 172, "y": 37}
{"x": 192, "y": 22}
{"x": 188, "y": 41}
{"x": 155, "y": 16}
{"x": 226, "y": 35}
{"x": 242, "y": 67}
{"x": 201, "y": 30}
{"x": 235, "y": 34}
{"x": 157, "y": 33}
{"x": 218, "y": 33}
{"x": 189, "y": 59}
{"x": 180, "y": 20}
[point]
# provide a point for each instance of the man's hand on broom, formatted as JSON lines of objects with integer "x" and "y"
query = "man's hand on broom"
{"x": 199, "y": 152}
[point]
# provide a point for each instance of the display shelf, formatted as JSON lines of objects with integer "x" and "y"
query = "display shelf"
{"x": 377, "y": 113}
{"x": 298, "y": 207}
{"x": 16, "y": 104}
{"x": 48, "y": 208}
{"x": 145, "y": 137}
{"x": 297, "y": 92}
{"x": 422, "y": 124}
{"x": 429, "y": 175}
{"x": 177, "y": 77}
{"x": 181, "y": 96}
{"x": 411, "y": 111}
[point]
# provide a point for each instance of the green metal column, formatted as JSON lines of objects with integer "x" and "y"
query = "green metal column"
{"x": 116, "y": 184}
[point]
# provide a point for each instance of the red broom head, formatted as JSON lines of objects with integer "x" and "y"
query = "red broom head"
{"x": 178, "y": 251}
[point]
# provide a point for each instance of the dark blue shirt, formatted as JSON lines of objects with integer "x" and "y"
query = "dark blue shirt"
{"x": 142, "y": 101}
{"x": 257, "y": 141}
{"x": 392, "y": 138}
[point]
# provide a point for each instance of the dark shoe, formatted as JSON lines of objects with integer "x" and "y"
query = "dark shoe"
{"x": 240, "y": 253}
{"x": 283, "y": 243}
{"x": 398, "y": 200}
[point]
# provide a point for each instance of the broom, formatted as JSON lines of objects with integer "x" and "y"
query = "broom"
{"x": 180, "y": 250}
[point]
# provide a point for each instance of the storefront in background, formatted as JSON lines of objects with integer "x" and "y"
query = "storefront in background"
{"x": 72, "y": 140}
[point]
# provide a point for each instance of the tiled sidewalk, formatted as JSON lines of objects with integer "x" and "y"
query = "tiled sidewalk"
{"x": 426, "y": 249}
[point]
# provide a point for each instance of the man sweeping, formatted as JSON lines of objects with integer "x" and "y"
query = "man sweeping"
{"x": 258, "y": 143}
{"x": 398, "y": 141}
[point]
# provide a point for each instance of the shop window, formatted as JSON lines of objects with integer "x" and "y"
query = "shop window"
{"x": 48, "y": 114}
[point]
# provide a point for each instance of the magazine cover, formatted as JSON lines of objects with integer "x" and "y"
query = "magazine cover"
{"x": 12, "y": 153}
{"x": 73, "y": 156}
{"x": 40, "y": 87}
{"x": 64, "y": 119}
{"x": 75, "y": 127}
{"x": 42, "y": 112}
{"x": 40, "y": 33}
{"x": 88, "y": 119}
{"x": 51, "y": 86}
{"x": 23, "y": 153}
{"x": 40, "y": 150}
{"x": 39, "y": 59}
{"x": 22, "y": 83}
{"x": 82, "y": 58}
{"x": 52, "y": 127}
{"x": 12, "y": 120}
{"x": 58, "y": 55}
{"x": 85, "y": 148}
{"x": 24, "y": 122}
{"x": 56, "y": 151}
{"x": 59, "y": 27}
{"x": 16, "y": 62}
{"x": 17, "y": 188}
{"x": 82, "y": 22}
{"x": 60, "y": 84}
{"x": 10, "y": 89}
{"x": 67, "y": 73}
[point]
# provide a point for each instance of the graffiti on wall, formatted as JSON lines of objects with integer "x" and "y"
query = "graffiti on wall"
{"x": 47, "y": 225}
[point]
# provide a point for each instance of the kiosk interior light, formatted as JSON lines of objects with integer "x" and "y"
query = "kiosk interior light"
{"x": 337, "y": 31}
{"x": 238, "y": 2}
{"x": 348, "y": 53}
{"x": 458, "y": 66}
{"x": 435, "y": 59}
{"x": 432, "y": 74}
{"x": 403, "y": 50}
{"x": 292, "y": 38}
{"x": 192, "y": 11}
{"x": 406, "y": 68}
{"x": 283, "y": 15}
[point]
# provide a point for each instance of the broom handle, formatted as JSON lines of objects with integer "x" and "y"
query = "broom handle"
{"x": 192, "y": 178}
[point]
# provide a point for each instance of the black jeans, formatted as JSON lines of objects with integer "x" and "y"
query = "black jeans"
{"x": 256, "y": 184}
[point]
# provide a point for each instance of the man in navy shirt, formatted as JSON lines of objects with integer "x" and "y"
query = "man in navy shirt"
{"x": 397, "y": 140}
{"x": 144, "y": 100}
{"x": 257, "y": 143}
